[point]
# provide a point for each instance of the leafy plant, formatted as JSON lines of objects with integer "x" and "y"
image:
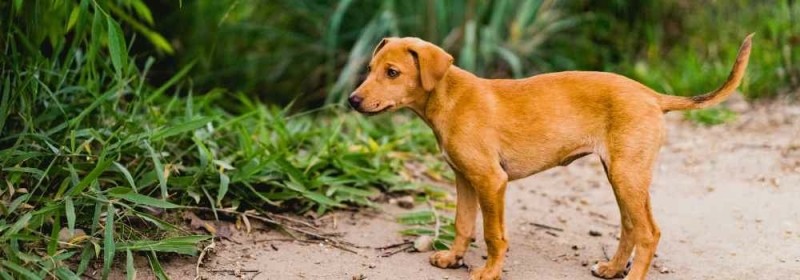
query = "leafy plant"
{"x": 90, "y": 153}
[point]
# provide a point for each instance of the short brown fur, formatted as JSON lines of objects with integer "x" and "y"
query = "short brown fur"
{"x": 495, "y": 131}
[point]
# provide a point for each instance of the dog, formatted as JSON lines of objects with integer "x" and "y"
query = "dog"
{"x": 492, "y": 131}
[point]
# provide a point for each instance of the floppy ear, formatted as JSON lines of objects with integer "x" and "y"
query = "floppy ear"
{"x": 380, "y": 46}
{"x": 432, "y": 62}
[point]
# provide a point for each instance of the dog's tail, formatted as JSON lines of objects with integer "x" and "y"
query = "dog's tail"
{"x": 672, "y": 103}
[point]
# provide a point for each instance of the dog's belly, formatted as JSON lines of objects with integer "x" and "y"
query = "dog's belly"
{"x": 522, "y": 167}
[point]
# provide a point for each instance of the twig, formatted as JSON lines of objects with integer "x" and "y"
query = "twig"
{"x": 392, "y": 253}
{"x": 605, "y": 254}
{"x": 546, "y": 226}
{"x": 234, "y": 271}
{"x": 326, "y": 241}
{"x": 287, "y": 218}
{"x": 435, "y": 216}
{"x": 263, "y": 219}
{"x": 390, "y": 246}
{"x": 334, "y": 243}
{"x": 200, "y": 259}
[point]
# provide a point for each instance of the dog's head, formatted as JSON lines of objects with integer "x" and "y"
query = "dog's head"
{"x": 402, "y": 71}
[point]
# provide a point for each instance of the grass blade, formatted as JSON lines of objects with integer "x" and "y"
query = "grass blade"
{"x": 127, "y": 175}
{"x": 186, "y": 245}
{"x": 108, "y": 241}
{"x": 223, "y": 187}
{"x": 155, "y": 265}
{"x": 181, "y": 128}
{"x": 129, "y": 195}
{"x": 21, "y": 223}
{"x": 64, "y": 273}
{"x": 69, "y": 208}
{"x": 21, "y": 270}
{"x": 162, "y": 179}
{"x": 116, "y": 46}
{"x": 86, "y": 256}
{"x": 129, "y": 269}
{"x": 91, "y": 177}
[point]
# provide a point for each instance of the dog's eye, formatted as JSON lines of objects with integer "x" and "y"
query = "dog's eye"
{"x": 393, "y": 73}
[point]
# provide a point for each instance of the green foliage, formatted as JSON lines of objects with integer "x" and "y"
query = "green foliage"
{"x": 688, "y": 47}
{"x": 711, "y": 116}
{"x": 313, "y": 50}
{"x": 88, "y": 146}
{"x": 424, "y": 223}
{"x": 318, "y": 49}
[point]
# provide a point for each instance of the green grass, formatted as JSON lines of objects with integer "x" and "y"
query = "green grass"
{"x": 89, "y": 151}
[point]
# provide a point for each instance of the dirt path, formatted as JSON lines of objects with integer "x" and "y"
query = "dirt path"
{"x": 727, "y": 199}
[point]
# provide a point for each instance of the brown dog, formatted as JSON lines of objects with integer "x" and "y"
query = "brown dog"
{"x": 495, "y": 131}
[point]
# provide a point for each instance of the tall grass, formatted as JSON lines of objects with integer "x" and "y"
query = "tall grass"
{"x": 313, "y": 51}
{"x": 91, "y": 153}
{"x": 316, "y": 50}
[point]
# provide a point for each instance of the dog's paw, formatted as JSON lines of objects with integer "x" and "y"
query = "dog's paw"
{"x": 484, "y": 274}
{"x": 445, "y": 259}
{"x": 607, "y": 271}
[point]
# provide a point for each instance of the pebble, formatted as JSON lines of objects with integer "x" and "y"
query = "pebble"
{"x": 423, "y": 243}
{"x": 406, "y": 202}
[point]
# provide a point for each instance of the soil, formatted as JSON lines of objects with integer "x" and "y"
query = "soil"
{"x": 727, "y": 199}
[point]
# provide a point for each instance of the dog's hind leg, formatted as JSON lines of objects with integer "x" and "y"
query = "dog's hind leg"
{"x": 630, "y": 171}
{"x": 615, "y": 267}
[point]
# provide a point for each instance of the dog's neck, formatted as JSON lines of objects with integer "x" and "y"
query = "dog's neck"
{"x": 437, "y": 104}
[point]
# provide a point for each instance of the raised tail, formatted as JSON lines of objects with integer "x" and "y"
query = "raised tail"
{"x": 672, "y": 103}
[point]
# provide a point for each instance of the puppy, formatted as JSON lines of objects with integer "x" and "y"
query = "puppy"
{"x": 491, "y": 132}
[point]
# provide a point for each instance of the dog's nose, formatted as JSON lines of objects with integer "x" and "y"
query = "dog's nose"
{"x": 355, "y": 101}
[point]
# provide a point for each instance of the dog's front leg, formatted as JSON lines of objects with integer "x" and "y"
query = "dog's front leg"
{"x": 491, "y": 189}
{"x": 466, "y": 210}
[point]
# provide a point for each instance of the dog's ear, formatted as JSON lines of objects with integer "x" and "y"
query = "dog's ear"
{"x": 380, "y": 46}
{"x": 432, "y": 62}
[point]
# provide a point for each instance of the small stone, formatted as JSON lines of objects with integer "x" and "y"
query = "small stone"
{"x": 406, "y": 202}
{"x": 64, "y": 235}
{"x": 595, "y": 233}
{"x": 663, "y": 270}
{"x": 372, "y": 265}
{"x": 574, "y": 247}
{"x": 584, "y": 263}
{"x": 423, "y": 243}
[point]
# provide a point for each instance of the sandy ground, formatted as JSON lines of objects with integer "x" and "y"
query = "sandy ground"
{"x": 727, "y": 199}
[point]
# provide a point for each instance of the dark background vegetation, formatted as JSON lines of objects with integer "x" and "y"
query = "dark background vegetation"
{"x": 315, "y": 50}
{"x": 113, "y": 111}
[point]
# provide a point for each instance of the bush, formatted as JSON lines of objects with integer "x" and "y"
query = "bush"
{"x": 91, "y": 153}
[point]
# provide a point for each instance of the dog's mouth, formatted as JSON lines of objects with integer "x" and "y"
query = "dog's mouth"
{"x": 372, "y": 113}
